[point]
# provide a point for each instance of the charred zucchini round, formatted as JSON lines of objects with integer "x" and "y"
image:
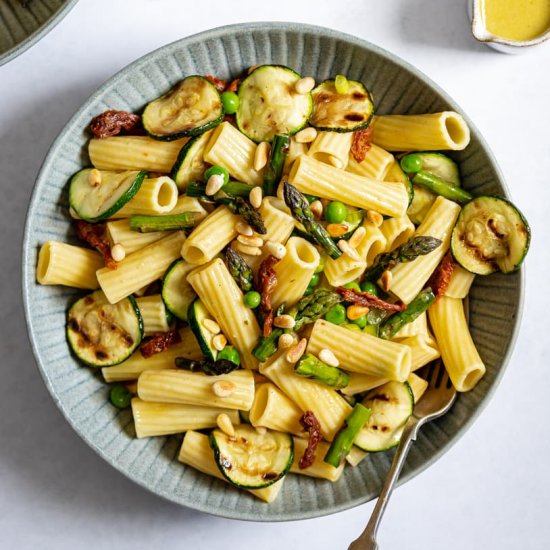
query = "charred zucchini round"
{"x": 490, "y": 235}
{"x": 252, "y": 460}
{"x": 190, "y": 165}
{"x": 96, "y": 195}
{"x": 103, "y": 334}
{"x": 191, "y": 107}
{"x": 346, "y": 111}
{"x": 270, "y": 105}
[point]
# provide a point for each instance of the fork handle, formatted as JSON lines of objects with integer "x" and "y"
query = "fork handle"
{"x": 367, "y": 539}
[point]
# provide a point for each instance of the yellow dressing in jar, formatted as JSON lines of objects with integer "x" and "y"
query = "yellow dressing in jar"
{"x": 517, "y": 19}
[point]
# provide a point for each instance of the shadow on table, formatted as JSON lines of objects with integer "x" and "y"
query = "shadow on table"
{"x": 41, "y": 458}
{"x": 438, "y": 24}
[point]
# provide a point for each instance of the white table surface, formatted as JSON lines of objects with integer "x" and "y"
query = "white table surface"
{"x": 490, "y": 491}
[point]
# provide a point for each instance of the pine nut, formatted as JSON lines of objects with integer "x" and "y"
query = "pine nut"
{"x": 250, "y": 241}
{"x": 219, "y": 341}
{"x": 307, "y": 135}
{"x": 275, "y": 249}
{"x": 375, "y": 217}
{"x": 261, "y": 155}
{"x": 256, "y": 196}
{"x": 250, "y": 250}
{"x": 357, "y": 237}
{"x": 337, "y": 229}
{"x": 285, "y": 341}
{"x": 316, "y": 208}
{"x": 345, "y": 247}
{"x": 385, "y": 280}
{"x": 356, "y": 311}
{"x": 94, "y": 177}
{"x": 284, "y": 321}
{"x": 244, "y": 229}
{"x": 304, "y": 85}
{"x": 215, "y": 183}
{"x": 223, "y": 388}
{"x": 211, "y": 326}
{"x": 295, "y": 352}
{"x": 118, "y": 252}
{"x": 327, "y": 356}
{"x": 225, "y": 425}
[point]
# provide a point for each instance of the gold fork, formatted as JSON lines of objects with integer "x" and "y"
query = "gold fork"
{"x": 437, "y": 400}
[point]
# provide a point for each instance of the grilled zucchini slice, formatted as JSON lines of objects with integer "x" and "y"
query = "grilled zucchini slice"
{"x": 391, "y": 406}
{"x": 490, "y": 235}
{"x": 341, "y": 112}
{"x": 190, "y": 108}
{"x": 196, "y": 315}
{"x": 190, "y": 164}
{"x": 251, "y": 460}
{"x": 95, "y": 200}
{"x": 103, "y": 334}
{"x": 269, "y": 104}
{"x": 177, "y": 293}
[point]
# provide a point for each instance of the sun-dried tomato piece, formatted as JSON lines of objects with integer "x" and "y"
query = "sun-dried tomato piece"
{"x": 218, "y": 82}
{"x": 441, "y": 277}
{"x": 366, "y": 299}
{"x": 233, "y": 86}
{"x": 111, "y": 123}
{"x": 312, "y": 426}
{"x": 361, "y": 143}
{"x": 159, "y": 342}
{"x": 267, "y": 281}
{"x": 94, "y": 235}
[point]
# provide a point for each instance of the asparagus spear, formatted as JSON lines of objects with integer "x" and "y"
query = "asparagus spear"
{"x": 311, "y": 367}
{"x": 308, "y": 310}
{"x": 274, "y": 167}
{"x": 239, "y": 269}
{"x": 342, "y": 443}
{"x": 419, "y": 305}
{"x": 172, "y": 222}
{"x": 229, "y": 192}
{"x": 299, "y": 208}
{"x": 250, "y": 215}
{"x": 211, "y": 368}
{"x": 417, "y": 246}
{"x": 441, "y": 187}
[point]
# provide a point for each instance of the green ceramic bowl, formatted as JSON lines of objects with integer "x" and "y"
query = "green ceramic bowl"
{"x": 80, "y": 393}
{"x": 23, "y": 24}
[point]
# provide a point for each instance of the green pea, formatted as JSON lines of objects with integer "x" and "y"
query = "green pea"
{"x": 120, "y": 396}
{"x": 369, "y": 287}
{"x": 217, "y": 171}
{"x": 252, "y": 299}
{"x": 361, "y": 322}
{"x": 353, "y": 285}
{"x": 341, "y": 83}
{"x": 230, "y": 354}
{"x": 352, "y": 327}
{"x": 310, "y": 198}
{"x": 336, "y": 212}
{"x": 230, "y": 102}
{"x": 411, "y": 163}
{"x": 336, "y": 315}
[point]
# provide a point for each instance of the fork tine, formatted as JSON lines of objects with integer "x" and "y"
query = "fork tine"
{"x": 435, "y": 374}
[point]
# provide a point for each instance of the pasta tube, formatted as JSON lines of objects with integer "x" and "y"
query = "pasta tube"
{"x": 154, "y": 314}
{"x": 327, "y": 405}
{"x": 458, "y": 351}
{"x": 136, "y": 363}
{"x": 196, "y": 452}
{"x": 119, "y": 232}
{"x": 423, "y": 350}
{"x": 319, "y": 468}
{"x": 360, "y": 352}
{"x": 210, "y": 237}
{"x": 221, "y": 296}
{"x": 332, "y": 148}
{"x": 64, "y": 264}
{"x": 197, "y": 388}
{"x": 460, "y": 283}
{"x": 323, "y": 180}
{"x": 437, "y": 131}
{"x": 408, "y": 279}
{"x": 134, "y": 153}
{"x": 140, "y": 268}
{"x": 375, "y": 166}
{"x": 156, "y": 196}
{"x": 277, "y": 219}
{"x": 397, "y": 231}
{"x": 152, "y": 419}
{"x": 418, "y": 386}
{"x": 235, "y": 152}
